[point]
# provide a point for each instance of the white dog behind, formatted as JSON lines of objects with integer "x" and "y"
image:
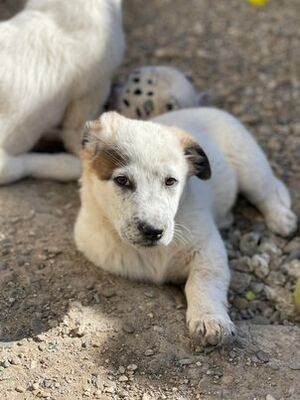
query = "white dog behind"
{"x": 141, "y": 217}
{"x": 56, "y": 63}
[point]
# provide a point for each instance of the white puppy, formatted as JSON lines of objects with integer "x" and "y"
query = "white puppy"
{"x": 57, "y": 60}
{"x": 144, "y": 218}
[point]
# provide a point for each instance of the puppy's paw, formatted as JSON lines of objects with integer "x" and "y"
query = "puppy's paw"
{"x": 211, "y": 330}
{"x": 281, "y": 220}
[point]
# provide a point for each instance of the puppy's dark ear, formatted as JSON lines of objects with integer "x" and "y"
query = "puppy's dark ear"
{"x": 198, "y": 161}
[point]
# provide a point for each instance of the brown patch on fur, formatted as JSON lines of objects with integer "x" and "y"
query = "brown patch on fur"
{"x": 104, "y": 161}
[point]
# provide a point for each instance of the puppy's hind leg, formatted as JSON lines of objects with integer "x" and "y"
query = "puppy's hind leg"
{"x": 60, "y": 167}
{"x": 263, "y": 189}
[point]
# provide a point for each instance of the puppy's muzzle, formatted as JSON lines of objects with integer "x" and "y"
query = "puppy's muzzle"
{"x": 149, "y": 233}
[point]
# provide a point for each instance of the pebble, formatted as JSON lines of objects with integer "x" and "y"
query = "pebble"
{"x": 267, "y": 245}
{"x": 123, "y": 378}
{"x": 240, "y": 303}
{"x": 249, "y": 242}
{"x": 34, "y": 386}
{"x": 5, "y": 364}
{"x": 128, "y": 327}
{"x": 146, "y": 396}
{"x": 270, "y": 397}
{"x": 132, "y": 367}
{"x": 263, "y": 356}
{"x": 121, "y": 370}
{"x": 293, "y": 245}
{"x": 20, "y": 389}
{"x": 295, "y": 366}
{"x": 260, "y": 265}
{"x": 292, "y": 268}
{"x": 185, "y": 361}
{"x": 241, "y": 264}
{"x": 149, "y": 353}
{"x": 240, "y": 281}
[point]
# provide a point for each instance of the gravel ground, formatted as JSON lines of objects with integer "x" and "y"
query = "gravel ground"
{"x": 69, "y": 331}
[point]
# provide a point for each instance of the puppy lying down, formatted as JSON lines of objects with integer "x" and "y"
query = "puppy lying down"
{"x": 154, "y": 194}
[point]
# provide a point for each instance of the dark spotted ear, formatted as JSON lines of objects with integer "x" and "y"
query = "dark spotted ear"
{"x": 198, "y": 161}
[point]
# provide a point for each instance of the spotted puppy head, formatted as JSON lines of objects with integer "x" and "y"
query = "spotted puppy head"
{"x": 151, "y": 91}
{"x": 136, "y": 172}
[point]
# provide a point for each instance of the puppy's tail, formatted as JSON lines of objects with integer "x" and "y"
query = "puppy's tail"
{"x": 61, "y": 167}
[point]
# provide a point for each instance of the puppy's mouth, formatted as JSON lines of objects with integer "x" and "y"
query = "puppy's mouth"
{"x": 145, "y": 243}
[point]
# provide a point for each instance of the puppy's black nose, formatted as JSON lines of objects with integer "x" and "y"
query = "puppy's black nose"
{"x": 149, "y": 232}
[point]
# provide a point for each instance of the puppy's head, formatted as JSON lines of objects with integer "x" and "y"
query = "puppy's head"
{"x": 136, "y": 171}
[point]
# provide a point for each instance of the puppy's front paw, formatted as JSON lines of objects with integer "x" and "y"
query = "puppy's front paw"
{"x": 282, "y": 221}
{"x": 210, "y": 329}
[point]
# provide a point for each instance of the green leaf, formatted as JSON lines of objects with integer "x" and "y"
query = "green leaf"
{"x": 297, "y": 295}
{"x": 250, "y": 295}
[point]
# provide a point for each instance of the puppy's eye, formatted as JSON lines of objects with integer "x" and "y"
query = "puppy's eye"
{"x": 170, "y": 181}
{"x": 122, "y": 180}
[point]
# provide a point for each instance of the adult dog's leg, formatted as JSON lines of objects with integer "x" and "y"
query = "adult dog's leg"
{"x": 60, "y": 167}
{"x": 78, "y": 112}
{"x": 206, "y": 293}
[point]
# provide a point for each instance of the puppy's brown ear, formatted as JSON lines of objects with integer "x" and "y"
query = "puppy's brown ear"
{"x": 195, "y": 156}
{"x": 198, "y": 161}
{"x": 89, "y": 137}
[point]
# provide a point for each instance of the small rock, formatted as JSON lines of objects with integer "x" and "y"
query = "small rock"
{"x": 295, "y": 366}
{"x": 34, "y": 386}
{"x": 123, "y": 378}
{"x": 293, "y": 245}
{"x": 267, "y": 245}
{"x": 260, "y": 265}
{"x": 149, "y": 353}
{"x": 240, "y": 303}
{"x": 5, "y": 364}
{"x": 270, "y": 397}
{"x": 121, "y": 370}
{"x": 249, "y": 243}
{"x": 292, "y": 268}
{"x": 240, "y": 281}
{"x": 132, "y": 367}
{"x": 110, "y": 389}
{"x": 241, "y": 264}
{"x": 15, "y": 361}
{"x": 128, "y": 327}
{"x": 185, "y": 361}
{"x": 146, "y": 396}
{"x": 79, "y": 332}
{"x": 20, "y": 389}
{"x": 262, "y": 356}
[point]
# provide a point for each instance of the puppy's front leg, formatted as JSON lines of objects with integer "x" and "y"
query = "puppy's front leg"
{"x": 206, "y": 293}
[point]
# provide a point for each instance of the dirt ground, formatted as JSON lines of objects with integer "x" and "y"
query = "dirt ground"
{"x": 69, "y": 331}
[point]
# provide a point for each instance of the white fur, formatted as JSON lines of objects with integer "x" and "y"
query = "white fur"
{"x": 192, "y": 249}
{"x": 57, "y": 60}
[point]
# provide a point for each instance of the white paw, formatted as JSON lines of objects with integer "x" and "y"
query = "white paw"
{"x": 282, "y": 221}
{"x": 210, "y": 329}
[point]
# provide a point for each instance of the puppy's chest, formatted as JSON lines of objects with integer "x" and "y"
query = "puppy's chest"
{"x": 158, "y": 265}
